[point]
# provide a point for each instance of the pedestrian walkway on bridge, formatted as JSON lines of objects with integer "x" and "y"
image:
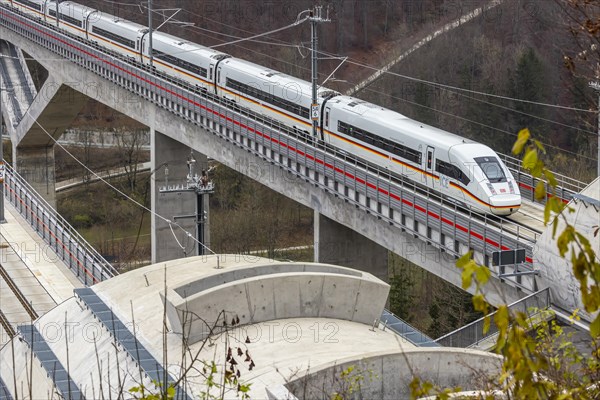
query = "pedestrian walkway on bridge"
{"x": 30, "y": 265}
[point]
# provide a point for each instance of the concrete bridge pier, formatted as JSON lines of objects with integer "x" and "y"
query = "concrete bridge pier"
{"x": 337, "y": 244}
{"x": 169, "y": 241}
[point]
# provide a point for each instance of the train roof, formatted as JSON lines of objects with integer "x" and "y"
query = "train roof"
{"x": 78, "y": 9}
{"x": 273, "y": 76}
{"x": 120, "y": 22}
{"x": 375, "y": 115}
{"x": 186, "y": 46}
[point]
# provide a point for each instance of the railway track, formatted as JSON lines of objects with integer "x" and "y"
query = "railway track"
{"x": 16, "y": 309}
{"x": 10, "y": 331}
{"x": 18, "y": 294}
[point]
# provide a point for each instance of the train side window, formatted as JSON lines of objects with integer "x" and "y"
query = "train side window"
{"x": 452, "y": 171}
{"x": 429, "y": 159}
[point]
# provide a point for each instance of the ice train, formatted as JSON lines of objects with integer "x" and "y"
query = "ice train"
{"x": 464, "y": 170}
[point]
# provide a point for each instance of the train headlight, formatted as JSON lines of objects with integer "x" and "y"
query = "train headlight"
{"x": 489, "y": 185}
{"x": 511, "y": 187}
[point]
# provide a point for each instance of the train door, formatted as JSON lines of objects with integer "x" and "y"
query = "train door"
{"x": 217, "y": 79}
{"x": 326, "y": 123}
{"x": 143, "y": 49}
{"x": 429, "y": 165}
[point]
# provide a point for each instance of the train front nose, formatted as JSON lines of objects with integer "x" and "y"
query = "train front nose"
{"x": 505, "y": 204}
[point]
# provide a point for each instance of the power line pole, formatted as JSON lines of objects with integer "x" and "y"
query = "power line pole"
{"x": 596, "y": 86}
{"x": 315, "y": 18}
{"x": 150, "y": 51}
{"x": 201, "y": 185}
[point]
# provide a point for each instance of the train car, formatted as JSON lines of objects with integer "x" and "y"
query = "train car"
{"x": 34, "y": 8}
{"x": 268, "y": 92}
{"x": 191, "y": 62}
{"x": 116, "y": 34}
{"x": 456, "y": 167}
{"x": 70, "y": 16}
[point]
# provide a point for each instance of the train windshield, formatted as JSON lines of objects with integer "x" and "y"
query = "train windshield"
{"x": 491, "y": 168}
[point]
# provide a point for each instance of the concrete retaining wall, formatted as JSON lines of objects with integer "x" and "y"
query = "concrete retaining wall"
{"x": 269, "y": 292}
{"x": 556, "y": 271}
{"x": 388, "y": 376}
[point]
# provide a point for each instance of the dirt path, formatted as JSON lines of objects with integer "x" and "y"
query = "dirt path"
{"x": 444, "y": 29}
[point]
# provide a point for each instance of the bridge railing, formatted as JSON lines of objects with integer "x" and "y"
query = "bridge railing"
{"x": 565, "y": 189}
{"x": 472, "y": 334}
{"x": 85, "y": 262}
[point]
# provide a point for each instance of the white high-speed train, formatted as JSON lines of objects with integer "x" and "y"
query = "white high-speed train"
{"x": 466, "y": 171}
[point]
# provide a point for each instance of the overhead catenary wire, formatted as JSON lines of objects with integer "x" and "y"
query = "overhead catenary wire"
{"x": 578, "y": 129}
{"x": 456, "y": 88}
{"x": 435, "y": 84}
{"x": 375, "y": 69}
{"x": 547, "y": 145}
{"x": 363, "y": 65}
{"x": 295, "y": 23}
{"x": 581, "y": 130}
{"x": 448, "y": 88}
{"x": 300, "y": 46}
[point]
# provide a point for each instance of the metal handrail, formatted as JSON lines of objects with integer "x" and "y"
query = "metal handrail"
{"x": 564, "y": 181}
{"x": 472, "y": 334}
{"x": 89, "y": 266}
{"x": 408, "y": 329}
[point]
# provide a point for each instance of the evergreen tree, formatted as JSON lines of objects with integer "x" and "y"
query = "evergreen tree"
{"x": 528, "y": 83}
{"x": 401, "y": 297}
{"x": 424, "y": 114}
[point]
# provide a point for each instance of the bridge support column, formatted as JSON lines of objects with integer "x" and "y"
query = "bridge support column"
{"x": 171, "y": 242}
{"x": 337, "y": 244}
{"x": 36, "y": 166}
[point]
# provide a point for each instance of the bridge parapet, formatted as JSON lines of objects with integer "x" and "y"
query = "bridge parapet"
{"x": 473, "y": 334}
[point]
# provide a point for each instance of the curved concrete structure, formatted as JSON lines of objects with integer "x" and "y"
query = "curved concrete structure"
{"x": 388, "y": 375}
{"x": 117, "y": 334}
{"x": 265, "y": 292}
{"x": 556, "y": 271}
